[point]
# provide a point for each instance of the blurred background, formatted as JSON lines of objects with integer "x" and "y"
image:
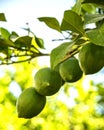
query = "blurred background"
{"x": 77, "y": 106}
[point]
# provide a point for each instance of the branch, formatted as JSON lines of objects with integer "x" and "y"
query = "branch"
{"x": 71, "y": 53}
{"x": 25, "y": 60}
{"x": 14, "y": 62}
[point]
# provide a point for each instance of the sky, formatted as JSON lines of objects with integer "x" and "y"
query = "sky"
{"x": 20, "y": 12}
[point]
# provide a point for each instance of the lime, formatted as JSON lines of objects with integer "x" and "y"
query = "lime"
{"x": 57, "y": 70}
{"x": 30, "y": 103}
{"x": 70, "y": 70}
{"x": 91, "y": 58}
{"x": 47, "y": 81}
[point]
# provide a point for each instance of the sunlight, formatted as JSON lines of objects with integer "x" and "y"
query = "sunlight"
{"x": 15, "y": 89}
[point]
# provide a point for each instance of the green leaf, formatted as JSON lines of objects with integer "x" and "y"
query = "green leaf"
{"x": 73, "y": 22}
{"x": 97, "y": 35}
{"x": 4, "y": 33}
{"x": 59, "y": 53}
{"x": 89, "y": 8}
{"x": 93, "y": 18}
{"x": 94, "y": 1}
{"x": 6, "y": 51}
{"x": 77, "y": 7}
{"x": 3, "y": 49}
{"x": 13, "y": 36}
{"x": 6, "y": 43}
{"x": 24, "y": 41}
{"x": 2, "y": 17}
{"x": 51, "y": 22}
{"x": 80, "y": 41}
{"x": 98, "y": 2}
{"x": 39, "y": 42}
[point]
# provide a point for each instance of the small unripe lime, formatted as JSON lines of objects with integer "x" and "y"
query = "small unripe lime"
{"x": 47, "y": 81}
{"x": 57, "y": 70}
{"x": 30, "y": 103}
{"x": 91, "y": 58}
{"x": 70, "y": 70}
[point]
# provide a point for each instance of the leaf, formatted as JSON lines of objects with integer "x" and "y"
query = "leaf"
{"x": 24, "y": 41}
{"x": 94, "y": 1}
{"x": 59, "y": 53}
{"x": 39, "y": 42}
{"x": 73, "y": 22}
{"x": 93, "y": 18}
{"x": 51, "y": 22}
{"x": 6, "y": 51}
{"x": 80, "y": 41}
{"x": 98, "y": 2}
{"x": 3, "y": 52}
{"x": 13, "y": 36}
{"x": 96, "y": 35}
{"x": 2, "y": 17}
{"x": 34, "y": 46}
{"x": 89, "y": 8}
{"x": 4, "y": 33}
{"x": 77, "y": 7}
{"x": 6, "y": 43}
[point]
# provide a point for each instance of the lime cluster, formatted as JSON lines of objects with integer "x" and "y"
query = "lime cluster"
{"x": 49, "y": 81}
{"x": 32, "y": 100}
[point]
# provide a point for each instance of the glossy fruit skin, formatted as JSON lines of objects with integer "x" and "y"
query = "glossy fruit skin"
{"x": 70, "y": 70}
{"x": 47, "y": 81}
{"x": 91, "y": 58}
{"x": 30, "y": 103}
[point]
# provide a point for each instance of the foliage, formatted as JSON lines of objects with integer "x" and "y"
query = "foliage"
{"x": 88, "y": 104}
{"x": 74, "y": 22}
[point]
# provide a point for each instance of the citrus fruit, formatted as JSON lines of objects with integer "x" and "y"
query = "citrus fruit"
{"x": 91, "y": 58}
{"x": 47, "y": 81}
{"x": 57, "y": 70}
{"x": 30, "y": 103}
{"x": 70, "y": 70}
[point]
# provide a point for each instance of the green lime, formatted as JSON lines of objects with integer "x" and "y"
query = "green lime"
{"x": 70, "y": 70}
{"x": 91, "y": 58}
{"x": 30, "y": 103}
{"x": 47, "y": 81}
{"x": 57, "y": 70}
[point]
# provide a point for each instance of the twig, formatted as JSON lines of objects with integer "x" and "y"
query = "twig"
{"x": 29, "y": 59}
